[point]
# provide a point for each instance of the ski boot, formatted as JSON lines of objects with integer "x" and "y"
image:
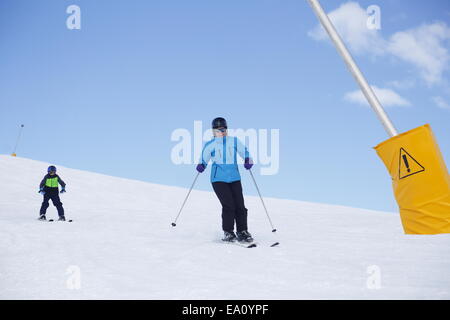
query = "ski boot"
{"x": 42, "y": 217}
{"x": 244, "y": 236}
{"x": 62, "y": 218}
{"x": 229, "y": 236}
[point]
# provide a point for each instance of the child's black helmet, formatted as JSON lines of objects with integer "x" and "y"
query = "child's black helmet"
{"x": 219, "y": 123}
{"x": 51, "y": 169}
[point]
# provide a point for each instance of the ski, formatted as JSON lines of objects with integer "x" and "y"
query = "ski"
{"x": 274, "y": 244}
{"x": 52, "y": 220}
{"x": 255, "y": 244}
{"x": 236, "y": 243}
{"x": 247, "y": 245}
{"x": 242, "y": 244}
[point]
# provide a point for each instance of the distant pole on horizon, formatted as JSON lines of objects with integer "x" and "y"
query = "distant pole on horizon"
{"x": 17, "y": 141}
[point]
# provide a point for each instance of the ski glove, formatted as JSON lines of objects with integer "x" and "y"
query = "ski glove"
{"x": 200, "y": 167}
{"x": 63, "y": 190}
{"x": 248, "y": 164}
{"x": 41, "y": 191}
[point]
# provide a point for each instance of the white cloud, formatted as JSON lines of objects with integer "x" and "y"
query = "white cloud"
{"x": 424, "y": 47}
{"x": 402, "y": 84}
{"x": 350, "y": 20}
{"x": 441, "y": 103}
{"x": 387, "y": 97}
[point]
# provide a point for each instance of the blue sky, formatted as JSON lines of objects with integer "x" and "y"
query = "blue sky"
{"x": 107, "y": 98}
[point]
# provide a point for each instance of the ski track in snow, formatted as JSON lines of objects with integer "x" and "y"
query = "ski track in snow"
{"x": 122, "y": 242}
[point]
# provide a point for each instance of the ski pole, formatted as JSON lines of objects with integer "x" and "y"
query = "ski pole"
{"x": 264, "y": 205}
{"x": 17, "y": 141}
{"x": 265, "y": 209}
{"x": 187, "y": 196}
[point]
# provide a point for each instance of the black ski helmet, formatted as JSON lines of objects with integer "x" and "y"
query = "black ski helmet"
{"x": 51, "y": 169}
{"x": 219, "y": 123}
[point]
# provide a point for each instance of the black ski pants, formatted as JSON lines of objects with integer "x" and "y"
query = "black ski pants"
{"x": 54, "y": 196}
{"x": 233, "y": 208}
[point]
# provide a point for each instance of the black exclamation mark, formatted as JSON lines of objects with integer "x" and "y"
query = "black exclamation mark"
{"x": 406, "y": 163}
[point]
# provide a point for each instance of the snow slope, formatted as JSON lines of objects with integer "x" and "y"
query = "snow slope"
{"x": 123, "y": 246}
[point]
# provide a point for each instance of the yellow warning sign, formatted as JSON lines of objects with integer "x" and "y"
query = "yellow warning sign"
{"x": 420, "y": 180}
{"x": 408, "y": 165}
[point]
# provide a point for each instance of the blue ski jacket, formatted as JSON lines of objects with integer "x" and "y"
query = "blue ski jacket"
{"x": 223, "y": 153}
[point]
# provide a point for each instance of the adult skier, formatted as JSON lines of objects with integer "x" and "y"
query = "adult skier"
{"x": 49, "y": 189}
{"x": 226, "y": 180}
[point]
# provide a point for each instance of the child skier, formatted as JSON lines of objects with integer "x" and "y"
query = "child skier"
{"x": 49, "y": 189}
{"x": 226, "y": 180}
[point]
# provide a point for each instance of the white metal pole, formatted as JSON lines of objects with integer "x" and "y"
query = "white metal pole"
{"x": 357, "y": 74}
